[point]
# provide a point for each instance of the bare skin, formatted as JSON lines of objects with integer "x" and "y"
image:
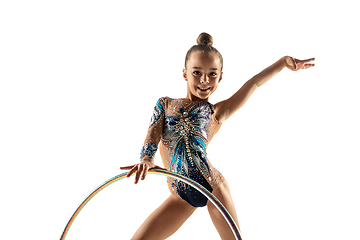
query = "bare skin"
{"x": 203, "y": 75}
{"x": 165, "y": 220}
{"x": 222, "y": 193}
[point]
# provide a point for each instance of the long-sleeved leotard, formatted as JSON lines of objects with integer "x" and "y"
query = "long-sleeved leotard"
{"x": 185, "y": 128}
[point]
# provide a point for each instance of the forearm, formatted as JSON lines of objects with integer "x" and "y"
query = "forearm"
{"x": 148, "y": 151}
{"x": 153, "y": 136}
{"x": 152, "y": 140}
{"x": 269, "y": 72}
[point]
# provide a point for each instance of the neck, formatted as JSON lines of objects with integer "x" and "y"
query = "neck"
{"x": 193, "y": 98}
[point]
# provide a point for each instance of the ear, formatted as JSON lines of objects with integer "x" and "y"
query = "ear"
{"x": 184, "y": 74}
{"x": 220, "y": 77}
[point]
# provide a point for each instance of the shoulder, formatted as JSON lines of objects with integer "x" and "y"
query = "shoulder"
{"x": 163, "y": 102}
{"x": 166, "y": 100}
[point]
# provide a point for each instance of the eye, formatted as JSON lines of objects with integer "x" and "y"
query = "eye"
{"x": 213, "y": 74}
{"x": 196, "y": 73}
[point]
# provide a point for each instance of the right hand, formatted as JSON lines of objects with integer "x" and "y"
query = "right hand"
{"x": 141, "y": 169}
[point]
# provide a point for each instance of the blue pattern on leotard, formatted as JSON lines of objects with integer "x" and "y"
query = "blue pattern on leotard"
{"x": 187, "y": 133}
{"x": 158, "y": 110}
{"x": 184, "y": 128}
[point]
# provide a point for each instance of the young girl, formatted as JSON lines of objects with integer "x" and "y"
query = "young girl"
{"x": 184, "y": 127}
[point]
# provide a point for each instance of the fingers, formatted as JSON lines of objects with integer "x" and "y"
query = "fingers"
{"x": 134, "y": 169}
{"x": 127, "y": 167}
{"x": 309, "y": 60}
{"x": 302, "y": 64}
{"x": 308, "y": 65}
{"x": 140, "y": 169}
{"x": 146, "y": 169}
{"x": 138, "y": 173}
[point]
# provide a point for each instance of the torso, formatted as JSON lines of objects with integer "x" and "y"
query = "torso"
{"x": 188, "y": 129}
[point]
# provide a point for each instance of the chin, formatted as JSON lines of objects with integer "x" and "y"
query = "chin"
{"x": 203, "y": 97}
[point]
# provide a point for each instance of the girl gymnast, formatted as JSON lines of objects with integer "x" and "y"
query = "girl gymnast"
{"x": 182, "y": 129}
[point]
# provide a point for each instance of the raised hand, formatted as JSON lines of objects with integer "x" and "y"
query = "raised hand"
{"x": 296, "y": 64}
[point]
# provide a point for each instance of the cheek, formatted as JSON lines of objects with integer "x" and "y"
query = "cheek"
{"x": 216, "y": 84}
{"x": 192, "y": 80}
{"x": 191, "y": 83}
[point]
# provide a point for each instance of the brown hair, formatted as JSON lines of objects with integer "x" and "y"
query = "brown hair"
{"x": 204, "y": 44}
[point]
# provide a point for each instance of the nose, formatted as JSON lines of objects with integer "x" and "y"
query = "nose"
{"x": 204, "y": 79}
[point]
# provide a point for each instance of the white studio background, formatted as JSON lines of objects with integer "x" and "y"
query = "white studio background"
{"x": 79, "y": 80}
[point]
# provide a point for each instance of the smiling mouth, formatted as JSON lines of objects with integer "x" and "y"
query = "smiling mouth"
{"x": 203, "y": 89}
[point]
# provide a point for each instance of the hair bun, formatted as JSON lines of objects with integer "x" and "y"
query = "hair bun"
{"x": 204, "y": 39}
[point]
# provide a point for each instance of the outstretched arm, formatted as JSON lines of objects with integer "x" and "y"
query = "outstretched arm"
{"x": 226, "y": 108}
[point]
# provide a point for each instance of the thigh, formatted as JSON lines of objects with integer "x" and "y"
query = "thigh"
{"x": 222, "y": 193}
{"x": 165, "y": 220}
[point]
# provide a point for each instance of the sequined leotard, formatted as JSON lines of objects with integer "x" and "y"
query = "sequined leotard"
{"x": 185, "y": 128}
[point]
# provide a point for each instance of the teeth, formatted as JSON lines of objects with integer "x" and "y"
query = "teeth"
{"x": 203, "y": 88}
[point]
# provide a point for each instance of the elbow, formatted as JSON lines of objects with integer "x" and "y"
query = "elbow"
{"x": 254, "y": 82}
{"x": 254, "y": 85}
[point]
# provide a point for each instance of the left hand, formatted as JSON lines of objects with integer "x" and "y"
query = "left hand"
{"x": 296, "y": 64}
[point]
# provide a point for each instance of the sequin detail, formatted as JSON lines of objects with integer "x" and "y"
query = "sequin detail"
{"x": 149, "y": 150}
{"x": 186, "y": 133}
{"x": 158, "y": 110}
{"x": 184, "y": 129}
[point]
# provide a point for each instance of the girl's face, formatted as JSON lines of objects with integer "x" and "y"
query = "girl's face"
{"x": 203, "y": 74}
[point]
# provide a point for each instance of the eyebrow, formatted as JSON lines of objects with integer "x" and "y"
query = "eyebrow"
{"x": 201, "y": 68}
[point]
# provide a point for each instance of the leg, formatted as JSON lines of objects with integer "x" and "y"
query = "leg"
{"x": 222, "y": 193}
{"x": 165, "y": 220}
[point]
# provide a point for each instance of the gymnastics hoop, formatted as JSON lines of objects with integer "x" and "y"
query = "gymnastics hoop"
{"x": 192, "y": 183}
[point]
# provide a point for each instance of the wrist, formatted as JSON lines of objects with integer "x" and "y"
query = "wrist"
{"x": 147, "y": 159}
{"x": 288, "y": 61}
